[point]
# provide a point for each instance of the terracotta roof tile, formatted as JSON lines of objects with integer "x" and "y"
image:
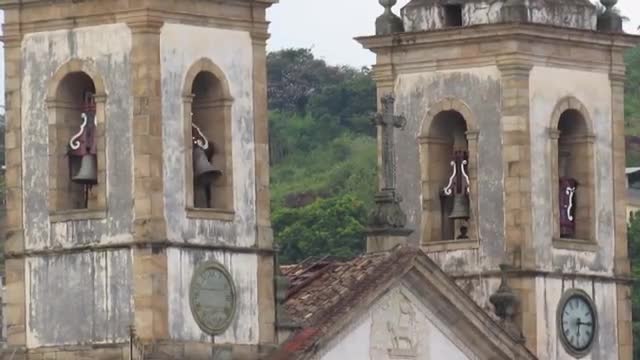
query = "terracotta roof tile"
{"x": 323, "y": 289}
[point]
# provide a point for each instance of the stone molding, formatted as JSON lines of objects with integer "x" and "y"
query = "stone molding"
{"x": 563, "y": 48}
{"x": 575, "y": 245}
{"x": 454, "y": 245}
{"x": 448, "y": 104}
{"x": 164, "y": 244}
{"x": 211, "y": 214}
{"x": 528, "y": 273}
{"x": 570, "y": 103}
{"x": 75, "y": 215}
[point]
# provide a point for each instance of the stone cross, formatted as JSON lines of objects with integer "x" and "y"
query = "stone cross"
{"x": 386, "y": 213}
{"x": 388, "y": 122}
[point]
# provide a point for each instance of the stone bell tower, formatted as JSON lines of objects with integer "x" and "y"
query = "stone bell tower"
{"x": 137, "y": 179}
{"x": 513, "y": 158}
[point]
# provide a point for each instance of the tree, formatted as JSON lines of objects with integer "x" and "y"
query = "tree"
{"x": 327, "y": 227}
{"x": 323, "y": 154}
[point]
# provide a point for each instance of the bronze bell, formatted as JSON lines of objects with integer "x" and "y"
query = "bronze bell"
{"x": 88, "y": 174}
{"x": 460, "y": 209}
{"x": 203, "y": 170}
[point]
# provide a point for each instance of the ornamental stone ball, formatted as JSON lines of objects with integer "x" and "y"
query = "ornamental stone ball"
{"x": 609, "y": 20}
{"x": 388, "y": 22}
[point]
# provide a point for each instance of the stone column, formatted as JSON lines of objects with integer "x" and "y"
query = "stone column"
{"x": 621, "y": 260}
{"x": 517, "y": 182}
{"x": 266, "y": 271}
{"x": 15, "y": 309}
{"x": 149, "y": 260}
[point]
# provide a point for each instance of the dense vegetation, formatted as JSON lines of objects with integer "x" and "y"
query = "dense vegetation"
{"x": 323, "y": 154}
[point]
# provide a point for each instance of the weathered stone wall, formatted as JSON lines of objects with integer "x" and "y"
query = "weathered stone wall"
{"x": 593, "y": 90}
{"x": 181, "y": 47}
{"x": 242, "y": 267}
{"x": 92, "y": 290}
{"x": 79, "y": 298}
{"x": 105, "y": 50}
{"x": 479, "y": 89}
{"x": 429, "y": 15}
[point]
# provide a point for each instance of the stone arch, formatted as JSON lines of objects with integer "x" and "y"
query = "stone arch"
{"x": 65, "y": 101}
{"x": 448, "y": 104}
{"x": 570, "y": 103}
{"x": 205, "y": 65}
{"x": 207, "y": 104}
{"x": 76, "y": 66}
{"x": 435, "y": 154}
{"x": 572, "y": 156}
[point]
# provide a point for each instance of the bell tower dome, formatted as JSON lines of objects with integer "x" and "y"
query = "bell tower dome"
{"x": 513, "y": 158}
{"x": 137, "y": 179}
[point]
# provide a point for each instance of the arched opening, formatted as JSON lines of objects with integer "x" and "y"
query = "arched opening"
{"x": 210, "y": 143}
{"x": 574, "y": 176}
{"x": 74, "y": 139}
{"x": 447, "y": 184}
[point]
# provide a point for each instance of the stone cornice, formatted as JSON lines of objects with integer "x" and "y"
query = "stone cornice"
{"x": 257, "y": 27}
{"x": 7, "y": 4}
{"x": 497, "y": 44}
{"x": 525, "y": 273}
{"x": 495, "y": 32}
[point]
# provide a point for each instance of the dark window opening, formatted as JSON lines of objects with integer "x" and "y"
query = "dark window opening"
{"x": 453, "y": 15}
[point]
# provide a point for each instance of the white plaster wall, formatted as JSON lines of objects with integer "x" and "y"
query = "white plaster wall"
{"x": 180, "y": 47}
{"x": 480, "y": 89}
{"x": 547, "y": 87}
{"x": 371, "y": 336}
{"x": 354, "y": 343}
{"x": 243, "y": 268}
{"x": 549, "y": 291}
{"x": 106, "y": 49}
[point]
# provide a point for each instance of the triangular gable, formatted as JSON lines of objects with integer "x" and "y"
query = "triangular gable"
{"x": 411, "y": 269}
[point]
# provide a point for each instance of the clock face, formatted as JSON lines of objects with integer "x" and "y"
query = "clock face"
{"x": 577, "y": 322}
{"x": 213, "y": 298}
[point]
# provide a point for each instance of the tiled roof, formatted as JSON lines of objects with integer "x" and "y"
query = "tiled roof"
{"x": 324, "y": 292}
{"x": 324, "y": 289}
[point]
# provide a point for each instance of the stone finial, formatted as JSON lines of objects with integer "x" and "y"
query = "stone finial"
{"x": 506, "y": 303}
{"x": 609, "y": 20}
{"x": 388, "y": 22}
